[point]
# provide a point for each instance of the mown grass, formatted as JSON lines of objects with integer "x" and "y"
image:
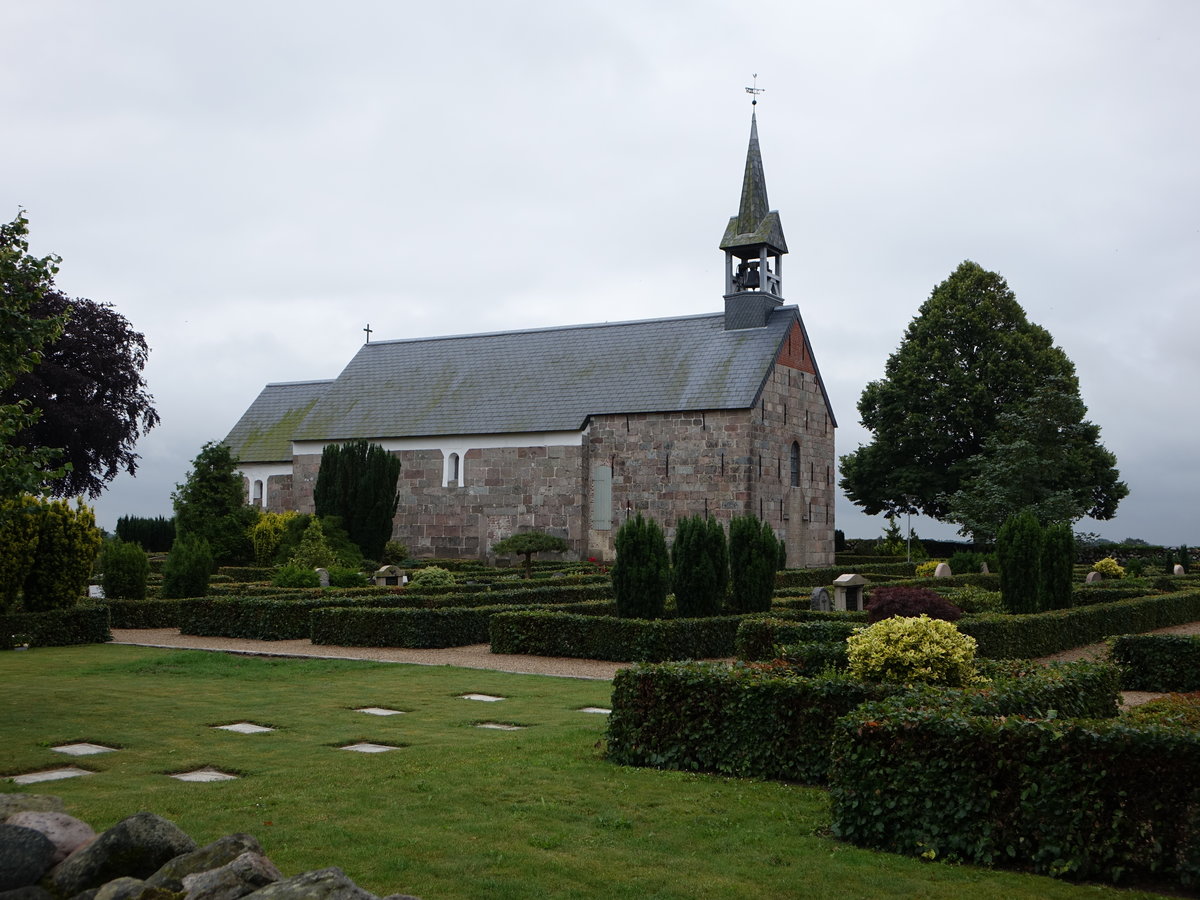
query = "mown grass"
{"x": 457, "y": 811}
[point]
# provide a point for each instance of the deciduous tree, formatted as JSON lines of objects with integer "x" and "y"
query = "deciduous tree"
{"x": 210, "y": 505}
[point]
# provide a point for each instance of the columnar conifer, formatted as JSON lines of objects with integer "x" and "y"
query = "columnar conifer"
{"x": 357, "y": 483}
{"x": 1019, "y": 544}
{"x": 700, "y": 566}
{"x": 641, "y": 573}
{"x": 753, "y": 560}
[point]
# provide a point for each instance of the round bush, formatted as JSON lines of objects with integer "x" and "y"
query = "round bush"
{"x": 1109, "y": 568}
{"x": 431, "y": 576}
{"x": 907, "y": 602}
{"x": 125, "y": 569}
{"x": 912, "y": 650}
{"x": 927, "y": 568}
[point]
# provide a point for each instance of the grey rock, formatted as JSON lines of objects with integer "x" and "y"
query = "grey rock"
{"x": 31, "y": 892}
{"x": 25, "y": 856}
{"x": 131, "y": 889}
{"x": 243, "y": 876}
{"x": 135, "y": 847}
{"x": 14, "y": 803}
{"x": 322, "y": 884}
{"x": 67, "y": 833}
{"x": 211, "y": 856}
{"x": 401, "y": 897}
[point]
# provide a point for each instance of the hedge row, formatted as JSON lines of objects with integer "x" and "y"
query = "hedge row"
{"x": 259, "y": 618}
{"x": 87, "y": 624}
{"x": 622, "y": 640}
{"x": 750, "y": 723}
{"x": 1157, "y": 662}
{"x": 757, "y": 638}
{"x": 793, "y": 578}
{"x": 1084, "y": 799}
{"x": 144, "y": 613}
{"x": 358, "y": 627}
{"x": 1001, "y": 636}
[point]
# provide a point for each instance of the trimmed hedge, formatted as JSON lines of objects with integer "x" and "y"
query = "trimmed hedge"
{"x": 144, "y": 613}
{"x": 752, "y": 722}
{"x": 1041, "y": 634}
{"x": 258, "y": 618}
{"x": 757, "y": 638}
{"x": 814, "y": 657}
{"x": 1084, "y": 799}
{"x": 550, "y": 633}
{"x": 1157, "y": 662}
{"x": 84, "y": 624}
{"x": 811, "y": 578}
{"x": 359, "y": 627}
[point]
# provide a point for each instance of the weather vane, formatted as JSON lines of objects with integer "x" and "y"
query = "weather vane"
{"x": 755, "y": 91}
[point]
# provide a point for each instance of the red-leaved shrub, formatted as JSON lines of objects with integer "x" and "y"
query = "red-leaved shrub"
{"x": 909, "y": 602}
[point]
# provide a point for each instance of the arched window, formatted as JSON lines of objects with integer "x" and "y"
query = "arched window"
{"x": 454, "y": 467}
{"x": 258, "y": 493}
{"x": 795, "y": 464}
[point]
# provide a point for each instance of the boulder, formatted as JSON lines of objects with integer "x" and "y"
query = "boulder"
{"x": 234, "y": 880}
{"x": 135, "y": 847}
{"x": 25, "y": 855}
{"x": 321, "y": 884}
{"x": 14, "y": 803}
{"x": 32, "y": 892}
{"x": 212, "y": 856}
{"x": 67, "y": 833}
{"x": 132, "y": 889}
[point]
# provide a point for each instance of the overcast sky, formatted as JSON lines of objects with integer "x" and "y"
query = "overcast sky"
{"x": 251, "y": 183}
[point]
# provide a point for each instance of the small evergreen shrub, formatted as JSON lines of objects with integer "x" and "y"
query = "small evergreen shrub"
{"x": 966, "y": 561}
{"x": 753, "y": 560}
{"x": 912, "y": 651}
{"x": 1135, "y": 567}
{"x": 927, "y": 568}
{"x": 394, "y": 553}
{"x": 125, "y": 568}
{"x": 1019, "y": 543}
{"x": 909, "y": 602}
{"x": 293, "y": 576}
{"x": 1108, "y": 567}
{"x": 340, "y": 577}
{"x": 187, "y": 569}
{"x": 314, "y": 551}
{"x": 431, "y": 576}
{"x": 1057, "y": 567}
{"x": 641, "y": 573}
{"x": 699, "y": 567}
{"x": 1185, "y": 558}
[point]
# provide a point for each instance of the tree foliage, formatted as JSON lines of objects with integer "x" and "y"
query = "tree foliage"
{"x": 156, "y": 535}
{"x": 210, "y": 505}
{"x": 125, "y": 568}
{"x": 47, "y": 549}
{"x": 88, "y": 385}
{"x": 642, "y": 571}
{"x": 753, "y": 560}
{"x": 357, "y": 482}
{"x": 972, "y": 382}
{"x": 24, "y": 281}
{"x": 528, "y": 543}
{"x": 699, "y": 566}
{"x": 188, "y": 567}
{"x": 1019, "y": 544}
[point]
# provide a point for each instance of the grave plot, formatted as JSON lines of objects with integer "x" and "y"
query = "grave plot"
{"x": 379, "y": 711}
{"x": 598, "y": 710}
{"x": 369, "y": 747}
{"x": 500, "y": 726}
{"x": 51, "y": 775}
{"x": 244, "y": 728}
{"x": 83, "y": 749}
{"x": 485, "y": 698}
{"x": 205, "y": 775}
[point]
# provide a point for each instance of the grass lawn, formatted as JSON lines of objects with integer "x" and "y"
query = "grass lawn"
{"x": 457, "y": 811}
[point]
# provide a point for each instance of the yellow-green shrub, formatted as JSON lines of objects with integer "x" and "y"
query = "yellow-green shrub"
{"x": 431, "y": 576}
{"x": 927, "y": 568}
{"x": 912, "y": 650}
{"x": 1108, "y": 567}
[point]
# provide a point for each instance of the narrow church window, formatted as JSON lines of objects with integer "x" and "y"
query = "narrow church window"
{"x": 760, "y": 507}
{"x": 812, "y": 471}
{"x": 722, "y": 462}
{"x": 781, "y": 509}
{"x": 258, "y": 493}
{"x": 667, "y": 466}
{"x": 785, "y": 414}
{"x": 828, "y": 475}
{"x": 454, "y": 467}
{"x": 760, "y": 465}
{"x": 806, "y": 420}
{"x": 601, "y": 498}
{"x": 795, "y": 464}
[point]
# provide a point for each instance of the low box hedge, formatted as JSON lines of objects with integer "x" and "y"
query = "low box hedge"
{"x": 1002, "y": 636}
{"x": 151, "y": 613}
{"x": 553, "y": 633}
{"x": 418, "y": 628}
{"x": 1157, "y": 662}
{"x": 752, "y": 721}
{"x": 83, "y": 624}
{"x": 758, "y": 637}
{"x": 1082, "y": 799}
{"x": 258, "y": 618}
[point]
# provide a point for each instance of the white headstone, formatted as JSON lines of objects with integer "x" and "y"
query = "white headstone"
{"x": 323, "y": 577}
{"x": 943, "y": 571}
{"x": 848, "y": 592}
{"x": 1093, "y": 577}
{"x": 984, "y": 569}
{"x": 1178, "y": 570}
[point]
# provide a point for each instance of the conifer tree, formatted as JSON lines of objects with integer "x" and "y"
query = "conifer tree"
{"x": 1057, "y": 566}
{"x": 700, "y": 567}
{"x": 357, "y": 482}
{"x": 1019, "y": 545}
{"x": 753, "y": 560}
{"x": 642, "y": 571}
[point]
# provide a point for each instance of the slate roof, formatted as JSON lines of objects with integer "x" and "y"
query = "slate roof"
{"x": 264, "y": 432}
{"x": 756, "y": 223}
{"x": 547, "y": 379}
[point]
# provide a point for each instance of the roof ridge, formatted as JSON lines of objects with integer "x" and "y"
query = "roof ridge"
{"x": 306, "y": 381}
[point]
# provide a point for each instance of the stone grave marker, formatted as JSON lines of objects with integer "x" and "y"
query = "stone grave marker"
{"x": 51, "y": 775}
{"x": 204, "y": 775}
{"x": 1178, "y": 570}
{"x": 820, "y": 600}
{"x": 848, "y": 592}
{"x": 389, "y": 576}
{"x": 244, "y": 728}
{"x": 323, "y": 577}
{"x": 368, "y": 747}
{"x": 1093, "y": 577}
{"x": 943, "y": 571}
{"x": 83, "y": 749}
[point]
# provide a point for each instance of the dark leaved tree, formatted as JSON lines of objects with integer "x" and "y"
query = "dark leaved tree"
{"x": 357, "y": 482}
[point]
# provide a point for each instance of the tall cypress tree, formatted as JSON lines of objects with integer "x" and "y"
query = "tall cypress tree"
{"x": 357, "y": 483}
{"x": 642, "y": 572}
{"x": 753, "y": 559}
{"x": 700, "y": 567}
{"x": 1019, "y": 545}
{"x": 1058, "y": 566}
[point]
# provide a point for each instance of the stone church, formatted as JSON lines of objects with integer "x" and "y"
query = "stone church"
{"x": 572, "y": 430}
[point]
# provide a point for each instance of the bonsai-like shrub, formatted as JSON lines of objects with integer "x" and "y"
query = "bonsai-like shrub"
{"x": 908, "y": 602}
{"x": 912, "y": 651}
{"x": 642, "y": 572}
{"x": 700, "y": 567}
{"x": 753, "y": 559}
{"x": 125, "y": 568}
{"x": 1108, "y": 567}
{"x": 394, "y": 553}
{"x": 528, "y": 543}
{"x": 431, "y": 576}
{"x": 1135, "y": 567}
{"x": 188, "y": 567}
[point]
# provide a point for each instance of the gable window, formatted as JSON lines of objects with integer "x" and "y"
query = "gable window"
{"x": 795, "y": 464}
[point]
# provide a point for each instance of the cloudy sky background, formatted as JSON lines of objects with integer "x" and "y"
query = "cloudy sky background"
{"x": 251, "y": 183}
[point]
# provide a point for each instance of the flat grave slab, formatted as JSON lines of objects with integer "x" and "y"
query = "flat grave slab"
{"x": 368, "y": 747}
{"x": 205, "y": 775}
{"x": 598, "y": 710}
{"x": 499, "y": 726}
{"x": 486, "y": 698}
{"x": 244, "y": 728}
{"x": 51, "y": 775}
{"x": 379, "y": 711}
{"x": 83, "y": 749}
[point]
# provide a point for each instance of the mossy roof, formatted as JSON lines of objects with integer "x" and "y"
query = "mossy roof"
{"x": 549, "y": 379}
{"x": 264, "y": 432}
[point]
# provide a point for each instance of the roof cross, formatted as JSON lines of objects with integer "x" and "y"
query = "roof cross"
{"x": 755, "y": 90}
{"x": 368, "y": 331}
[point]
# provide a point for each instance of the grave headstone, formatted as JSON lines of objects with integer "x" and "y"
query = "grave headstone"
{"x": 389, "y": 576}
{"x": 983, "y": 570}
{"x": 323, "y": 577}
{"x": 820, "y": 600}
{"x": 1178, "y": 570}
{"x": 848, "y": 592}
{"x": 1093, "y": 577}
{"x": 943, "y": 571}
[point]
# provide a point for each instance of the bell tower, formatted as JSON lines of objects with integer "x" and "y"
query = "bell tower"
{"x": 754, "y": 247}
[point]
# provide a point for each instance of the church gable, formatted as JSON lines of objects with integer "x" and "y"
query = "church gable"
{"x": 795, "y": 352}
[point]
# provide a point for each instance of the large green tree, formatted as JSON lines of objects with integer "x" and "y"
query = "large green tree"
{"x": 24, "y": 281}
{"x": 357, "y": 482}
{"x": 210, "y": 505}
{"x": 970, "y": 370}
